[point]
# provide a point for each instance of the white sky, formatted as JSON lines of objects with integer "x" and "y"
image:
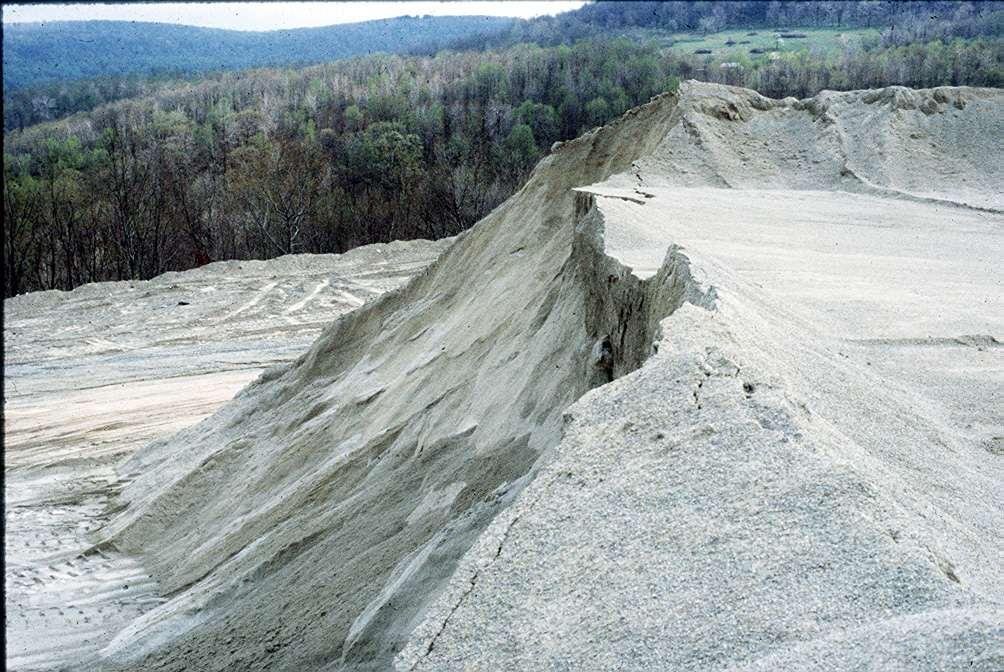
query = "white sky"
{"x": 273, "y": 15}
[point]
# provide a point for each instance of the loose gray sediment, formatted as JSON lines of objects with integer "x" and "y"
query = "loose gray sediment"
{"x": 372, "y": 464}
{"x": 661, "y": 406}
{"x": 796, "y": 478}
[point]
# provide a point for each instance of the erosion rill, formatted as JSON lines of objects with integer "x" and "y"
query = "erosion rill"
{"x": 719, "y": 388}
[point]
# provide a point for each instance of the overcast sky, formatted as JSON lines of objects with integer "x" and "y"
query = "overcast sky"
{"x": 272, "y": 15}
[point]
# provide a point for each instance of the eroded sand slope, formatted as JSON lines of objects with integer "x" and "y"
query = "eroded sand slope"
{"x": 92, "y": 375}
{"x": 354, "y": 479}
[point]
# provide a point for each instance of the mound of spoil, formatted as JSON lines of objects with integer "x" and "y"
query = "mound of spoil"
{"x": 662, "y": 409}
{"x": 91, "y": 375}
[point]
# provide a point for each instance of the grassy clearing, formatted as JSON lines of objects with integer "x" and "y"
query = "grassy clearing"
{"x": 825, "y": 40}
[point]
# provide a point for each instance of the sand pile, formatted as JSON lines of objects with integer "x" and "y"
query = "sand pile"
{"x": 448, "y": 478}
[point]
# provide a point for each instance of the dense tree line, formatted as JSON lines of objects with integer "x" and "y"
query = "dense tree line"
{"x": 902, "y": 22}
{"x": 322, "y": 159}
{"x": 920, "y": 65}
{"x": 32, "y": 105}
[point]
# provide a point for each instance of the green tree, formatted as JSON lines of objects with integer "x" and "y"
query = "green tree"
{"x": 353, "y": 118}
{"x": 22, "y": 200}
{"x": 597, "y": 111}
{"x": 273, "y": 188}
{"x": 521, "y": 150}
{"x": 542, "y": 120}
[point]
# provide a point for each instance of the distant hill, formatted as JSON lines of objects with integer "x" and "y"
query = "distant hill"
{"x": 34, "y": 53}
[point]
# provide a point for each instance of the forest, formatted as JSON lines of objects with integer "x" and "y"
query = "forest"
{"x": 903, "y": 22}
{"x": 260, "y": 163}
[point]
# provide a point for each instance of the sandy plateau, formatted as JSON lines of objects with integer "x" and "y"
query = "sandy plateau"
{"x": 720, "y": 388}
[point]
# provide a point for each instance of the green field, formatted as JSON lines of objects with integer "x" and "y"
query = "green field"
{"x": 821, "y": 40}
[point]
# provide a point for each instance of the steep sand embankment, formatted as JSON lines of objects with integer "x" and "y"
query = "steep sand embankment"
{"x": 806, "y": 474}
{"x": 357, "y": 476}
{"x": 92, "y": 375}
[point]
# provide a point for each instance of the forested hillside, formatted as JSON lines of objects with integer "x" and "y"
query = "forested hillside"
{"x": 325, "y": 158}
{"x": 902, "y": 22}
{"x": 36, "y": 53}
{"x": 47, "y": 102}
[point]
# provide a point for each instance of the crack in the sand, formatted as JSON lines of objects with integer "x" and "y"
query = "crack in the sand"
{"x": 470, "y": 588}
